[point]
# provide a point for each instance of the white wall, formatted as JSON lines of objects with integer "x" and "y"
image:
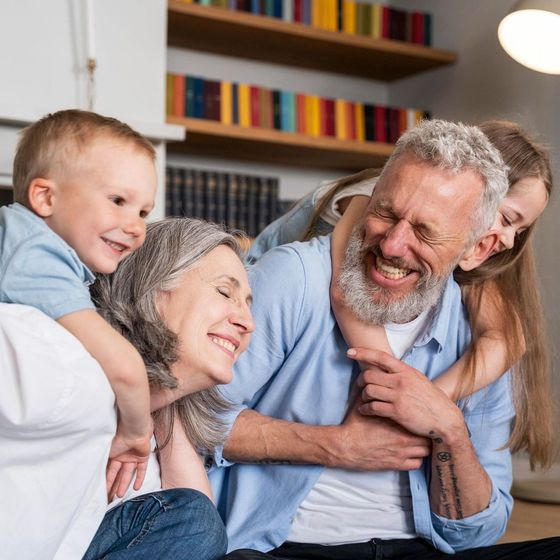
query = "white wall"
{"x": 43, "y": 66}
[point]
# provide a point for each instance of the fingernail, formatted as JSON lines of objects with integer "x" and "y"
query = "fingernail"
{"x": 351, "y": 352}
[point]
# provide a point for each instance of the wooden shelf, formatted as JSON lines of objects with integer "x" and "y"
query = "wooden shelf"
{"x": 228, "y": 32}
{"x": 211, "y": 138}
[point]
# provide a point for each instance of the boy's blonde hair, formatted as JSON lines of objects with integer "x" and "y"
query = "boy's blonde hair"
{"x": 58, "y": 137}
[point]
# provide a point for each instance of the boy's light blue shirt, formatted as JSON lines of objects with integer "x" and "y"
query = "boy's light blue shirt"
{"x": 296, "y": 369}
{"x": 38, "y": 268}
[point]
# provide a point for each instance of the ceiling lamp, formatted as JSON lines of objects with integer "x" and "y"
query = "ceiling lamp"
{"x": 530, "y": 34}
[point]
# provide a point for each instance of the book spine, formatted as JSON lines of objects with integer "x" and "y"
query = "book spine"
{"x": 179, "y": 95}
{"x": 427, "y": 30}
{"x": 188, "y": 193}
{"x": 231, "y": 197}
{"x": 221, "y": 203}
{"x": 330, "y": 117}
{"x": 244, "y": 105}
{"x": 385, "y": 22}
{"x": 262, "y": 205}
{"x": 368, "y": 113}
{"x": 298, "y": 11}
{"x": 234, "y": 103}
{"x": 226, "y": 116}
{"x": 360, "y": 122}
{"x": 380, "y": 124}
{"x": 288, "y": 10}
{"x": 351, "y": 120}
{"x": 210, "y": 196}
{"x": 277, "y": 109}
{"x": 255, "y": 106}
{"x": 198, "y": 194}
{"x": 272, "y": 198}
{"x": 252, "y": 202}
{"x": 242, "y": 203}
{"x": 301, "y": 110}
{"x": 306, "y": 12}
{"x": 176, "y": 195}
{"x": 168, "y": 197}
{"x": 198, "y": 98}
{"x": 340, "y": 119}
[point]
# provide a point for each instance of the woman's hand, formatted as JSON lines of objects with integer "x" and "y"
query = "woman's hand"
{"x": 127, "y": 458}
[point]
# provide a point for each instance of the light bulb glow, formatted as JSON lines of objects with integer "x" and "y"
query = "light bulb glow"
{"x": 532, "y": 37}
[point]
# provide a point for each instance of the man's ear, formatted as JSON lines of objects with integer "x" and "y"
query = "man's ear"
{"x": 41, "y": 195}
{"x": 480, "y": 251}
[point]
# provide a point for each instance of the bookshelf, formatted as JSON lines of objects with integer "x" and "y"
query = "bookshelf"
{"x": 234, "y": 33}
{"x": 274, "y": 146}
{"x": 227, "y": 32}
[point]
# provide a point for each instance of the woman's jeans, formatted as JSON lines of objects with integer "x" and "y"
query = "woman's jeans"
{"x": 178, "y": 524}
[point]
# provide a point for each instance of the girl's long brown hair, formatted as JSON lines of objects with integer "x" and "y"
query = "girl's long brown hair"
{"x": 508, "y": 281}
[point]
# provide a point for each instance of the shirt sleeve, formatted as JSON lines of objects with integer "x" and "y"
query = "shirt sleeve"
{"x": 277, "y": 309}
{"x": 47, "y": 276}
{"x": 489, "y": 420}
{"x": 286, "y": 229}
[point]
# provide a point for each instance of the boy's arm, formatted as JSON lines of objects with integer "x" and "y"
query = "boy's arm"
{"x": 355, "y": 332}
{"x": 492, "y": 355}
{"x": 122, "y": 365}
{"x": 181, "y": 466}
{"x": 126, "y": 373}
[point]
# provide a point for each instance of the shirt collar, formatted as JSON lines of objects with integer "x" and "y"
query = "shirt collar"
{"x": 441, "y": 316}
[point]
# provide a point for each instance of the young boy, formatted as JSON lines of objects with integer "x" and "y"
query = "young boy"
{"x": 83, "y": 185}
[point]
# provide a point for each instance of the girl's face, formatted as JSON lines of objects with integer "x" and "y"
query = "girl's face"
{"x": 523, "y": 204}
{"x": 210, "y": 312}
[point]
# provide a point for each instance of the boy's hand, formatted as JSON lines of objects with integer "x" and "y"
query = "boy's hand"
{"x": 127, "y": 457}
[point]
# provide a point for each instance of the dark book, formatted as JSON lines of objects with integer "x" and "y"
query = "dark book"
{"x": 272, "y": 187}
{"x": 242, "y": 191}
{"x": 385, "y": 22}
{"x": 188, "y": 193}
{"x": 199, "y": 183}
{"x": 176, "y": 193}
{"x": 369, "y": 122}
{"x": 330, "y": 129}
{"x": 428, "y": 30}
{"x": 366, "y": 23}
{"x": 254, "y": 101}
{"x": 189, "y": 97}
{"x": 306, "y": 13}
{"x": 339, "y": 15}
{"x": 210, "y": 196}
{"x": 298, "y": 11}
{"x": 394, "y": 124}
{"x": 198, "y": 98}
{"x": 262, "y": 204}
{"x": 212, "y": 98}
{"x": 277, "y": 10}
{"x": 221, "y": 200}
{"x": 277, "y": 108}
{"x": 231, "y": 201}
{"x": 255, "y": 6}
{"x": 252, "y": 205}
{"x": 168, "y": 180}
{"x": 418, "y": 28}
{"x": 380, "y": 124}
{"x": 234, "y": 103}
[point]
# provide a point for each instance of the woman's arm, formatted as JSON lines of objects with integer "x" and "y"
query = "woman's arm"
{"x": 490, "y": 356}
{"x": 355, "y": 332}
{"x": 181, "y": 466}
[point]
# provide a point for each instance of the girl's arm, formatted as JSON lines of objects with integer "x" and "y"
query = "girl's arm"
{"x": 489, "y": 356}
{"x": 355, "y": 332}
{"x": 181, "y": 466}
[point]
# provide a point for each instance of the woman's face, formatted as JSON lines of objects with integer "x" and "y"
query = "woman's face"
{"x": 210, "y": 312}
{"x": 523, "y": 204}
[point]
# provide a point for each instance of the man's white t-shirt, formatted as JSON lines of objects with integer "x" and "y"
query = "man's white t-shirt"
{"x": 346, "y": 506}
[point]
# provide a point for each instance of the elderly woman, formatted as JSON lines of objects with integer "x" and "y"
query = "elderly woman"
{"x": 183, "y": 300}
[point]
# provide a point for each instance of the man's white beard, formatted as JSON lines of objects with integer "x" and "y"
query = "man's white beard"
{"x": 359, "y": 290}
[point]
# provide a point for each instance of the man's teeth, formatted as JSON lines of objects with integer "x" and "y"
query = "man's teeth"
{"x": 225, "y": 343}
{"x": 114, "y": 245}
{"x": 389, "y": 271}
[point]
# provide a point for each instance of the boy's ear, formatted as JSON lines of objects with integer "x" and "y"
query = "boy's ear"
{"x": 480, "y": 251}
{"x": 41, "y": 196}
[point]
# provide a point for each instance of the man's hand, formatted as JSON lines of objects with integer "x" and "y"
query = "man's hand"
{"x": 393, "y": 389}
{"x": 374, "y": 444}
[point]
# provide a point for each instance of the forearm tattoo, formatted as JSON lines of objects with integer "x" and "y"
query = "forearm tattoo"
{"x": 448, "y": 484}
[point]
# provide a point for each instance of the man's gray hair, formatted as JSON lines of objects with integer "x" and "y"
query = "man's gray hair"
{"x": 127, "y": 300}
{"x": 457, "y": 147}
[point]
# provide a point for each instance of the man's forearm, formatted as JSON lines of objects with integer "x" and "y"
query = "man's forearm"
{"x": 256, "y": 438}
{"x": 460, "y": 487}
{"x": 359, "y": 443}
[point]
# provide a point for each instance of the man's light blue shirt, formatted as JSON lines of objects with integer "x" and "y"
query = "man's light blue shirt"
{"x": 296, "y": 369}
{"x": 38, "y": 268}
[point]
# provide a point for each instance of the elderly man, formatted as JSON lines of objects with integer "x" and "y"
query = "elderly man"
{"x": 313, "y": 478}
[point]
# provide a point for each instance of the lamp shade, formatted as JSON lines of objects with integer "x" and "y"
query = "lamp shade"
{"x": 530, "y": 34}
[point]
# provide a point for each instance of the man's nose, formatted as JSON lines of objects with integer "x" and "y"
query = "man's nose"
{"x": 396, "y": 240}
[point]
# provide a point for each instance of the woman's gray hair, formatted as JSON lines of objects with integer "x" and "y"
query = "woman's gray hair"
{"x": 127, "y": 300}
{"x": 457, "y": 147}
